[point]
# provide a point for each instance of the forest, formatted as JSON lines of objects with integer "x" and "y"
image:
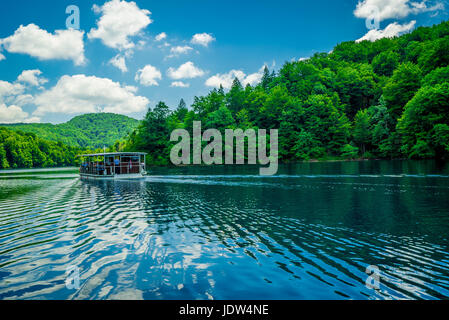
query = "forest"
{"x": 94, "y": 130}
{"x": 26, "y": 150}
{"x": 383, "y": 99}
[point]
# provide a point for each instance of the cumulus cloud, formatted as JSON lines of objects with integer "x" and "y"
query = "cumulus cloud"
{"x": 119, "y": 21}
{"x": 36, "y": 42}
{"x": 22, "y": 99}
{"x": 226, "y": 79}
{"x": 388, "y": 9}
{"x": 8, "y": 89}
{"x": 32, "y": 77}
{"x": 185, "y": 71}
{"x": 14, "y": 114}
{"x": 14, "y": 94}
{"x": 202, "y": 39}
{"x": 161, "y": 36}
{"x": 2, "y": 57}
{"x": 87, "y": 94}
{"x": 180, "y": 84}
{"x": 119, "y": 62}
{"x": 392, "y": 30}
{"x": 180, "y": 50}
{"x": 148, "y": 76}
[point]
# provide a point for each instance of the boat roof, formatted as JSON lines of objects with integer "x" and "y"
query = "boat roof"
{"x": 113, "y": 154}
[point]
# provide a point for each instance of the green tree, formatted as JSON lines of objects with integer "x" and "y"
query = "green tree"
{"x": 362, "y": 130}
{"x": 385, "y": 63}
{"x": 401, "y": 87}
{"x": 423, "y": 120}
{"x": 236, "y": 97}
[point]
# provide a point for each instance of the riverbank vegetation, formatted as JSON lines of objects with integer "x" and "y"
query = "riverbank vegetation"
{"x": 382, "y": 99}
{"x": 94, "y": 130}
{"x": 26, "y": 150}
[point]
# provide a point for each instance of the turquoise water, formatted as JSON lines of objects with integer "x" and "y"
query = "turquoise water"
{"x": 227, "y": 233}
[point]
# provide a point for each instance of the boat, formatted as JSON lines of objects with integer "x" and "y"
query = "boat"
{"x": 113, "y": 166}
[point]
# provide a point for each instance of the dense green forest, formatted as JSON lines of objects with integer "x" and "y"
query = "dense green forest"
{"x": 382, "y": 99}
{"x": 26, "y": 150}
{"x": 87, "y": 131}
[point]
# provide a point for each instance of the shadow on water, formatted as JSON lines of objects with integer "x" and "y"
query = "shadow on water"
{"x": 227, "y": 233}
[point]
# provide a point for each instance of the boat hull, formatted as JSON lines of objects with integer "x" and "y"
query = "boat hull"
{"x": 134, "y": 176}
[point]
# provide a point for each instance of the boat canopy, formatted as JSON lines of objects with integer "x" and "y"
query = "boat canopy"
{"x": 114, "y": 154}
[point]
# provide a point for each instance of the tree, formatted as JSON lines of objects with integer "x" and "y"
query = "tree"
{"x": 356, "y": 87}
{"x": 325, "y": 119}
{"x": 435, "y": 54}
{"x": 181, "y": 111}
{"x": 221, "y": 119}
{"x": 419, "y": 123}
{"x": 349, "y": 152}
{"x": 153, "y": 135}
{"x": 385, "y": 63}
{"x": 3, "y": 160}
{"x": 308, "y": 146}
{"x": 236, "y": 96}
{"x": 437, "y": 76}
{"x": 362, "y": 130}
{"x": 267, "y": 79}
{"x": 401, "y": 87}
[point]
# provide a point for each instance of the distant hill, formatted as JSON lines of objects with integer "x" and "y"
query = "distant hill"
{"x": 93, "y": 130}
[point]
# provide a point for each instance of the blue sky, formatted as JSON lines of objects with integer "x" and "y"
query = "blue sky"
{"x": 50, "y": 76}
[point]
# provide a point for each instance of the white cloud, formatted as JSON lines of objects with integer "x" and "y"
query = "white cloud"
{"x": 164, "y": 45}
{"x": 132, "y": 89}
{"x": 119, "y": 62}
{"x": 202, "y": 39}
{"x": 8, "y": 89}
{"x": 22, "y": 99}
{"x": 32, "y": 77}
{"x": 185, "y": 71}
{"x": 161, "y": 36}
{"x": 14, "y": 114}
{"x": 226, "y": 79}
{"x": 2, "y": 57}
{"x": 119, "y": 21}
{"x": 13, "y": 94}
{"x": 148, "y": 76}
{"x": 180, "y": 50}
{"x": 254, "y": 78}
{"x": 62, "y": 45}
{"x": 392, "y": 30}
{"x": 180, "y": 84}
{"x": 388, "y": 9}
{"x": 85, "y": 94}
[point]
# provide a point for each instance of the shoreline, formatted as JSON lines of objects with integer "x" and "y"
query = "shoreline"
{"x": 17, "y": 170}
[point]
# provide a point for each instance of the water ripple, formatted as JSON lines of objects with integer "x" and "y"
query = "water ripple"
{"x": 225, "y": 237}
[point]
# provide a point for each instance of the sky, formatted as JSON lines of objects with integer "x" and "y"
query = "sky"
{"x": 126, "y": 56}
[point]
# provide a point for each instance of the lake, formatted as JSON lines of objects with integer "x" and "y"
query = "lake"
{"x": 309, "y": 232}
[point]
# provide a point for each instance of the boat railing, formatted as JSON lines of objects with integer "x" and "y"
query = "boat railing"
{"x": 110, "y": 170}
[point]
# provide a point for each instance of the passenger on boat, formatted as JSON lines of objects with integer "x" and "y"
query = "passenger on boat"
{"x": 100, "y": 168}
{"x": 117, "y": 166}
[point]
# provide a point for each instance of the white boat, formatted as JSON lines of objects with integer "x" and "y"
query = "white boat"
{"x": 113, "y": 166}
